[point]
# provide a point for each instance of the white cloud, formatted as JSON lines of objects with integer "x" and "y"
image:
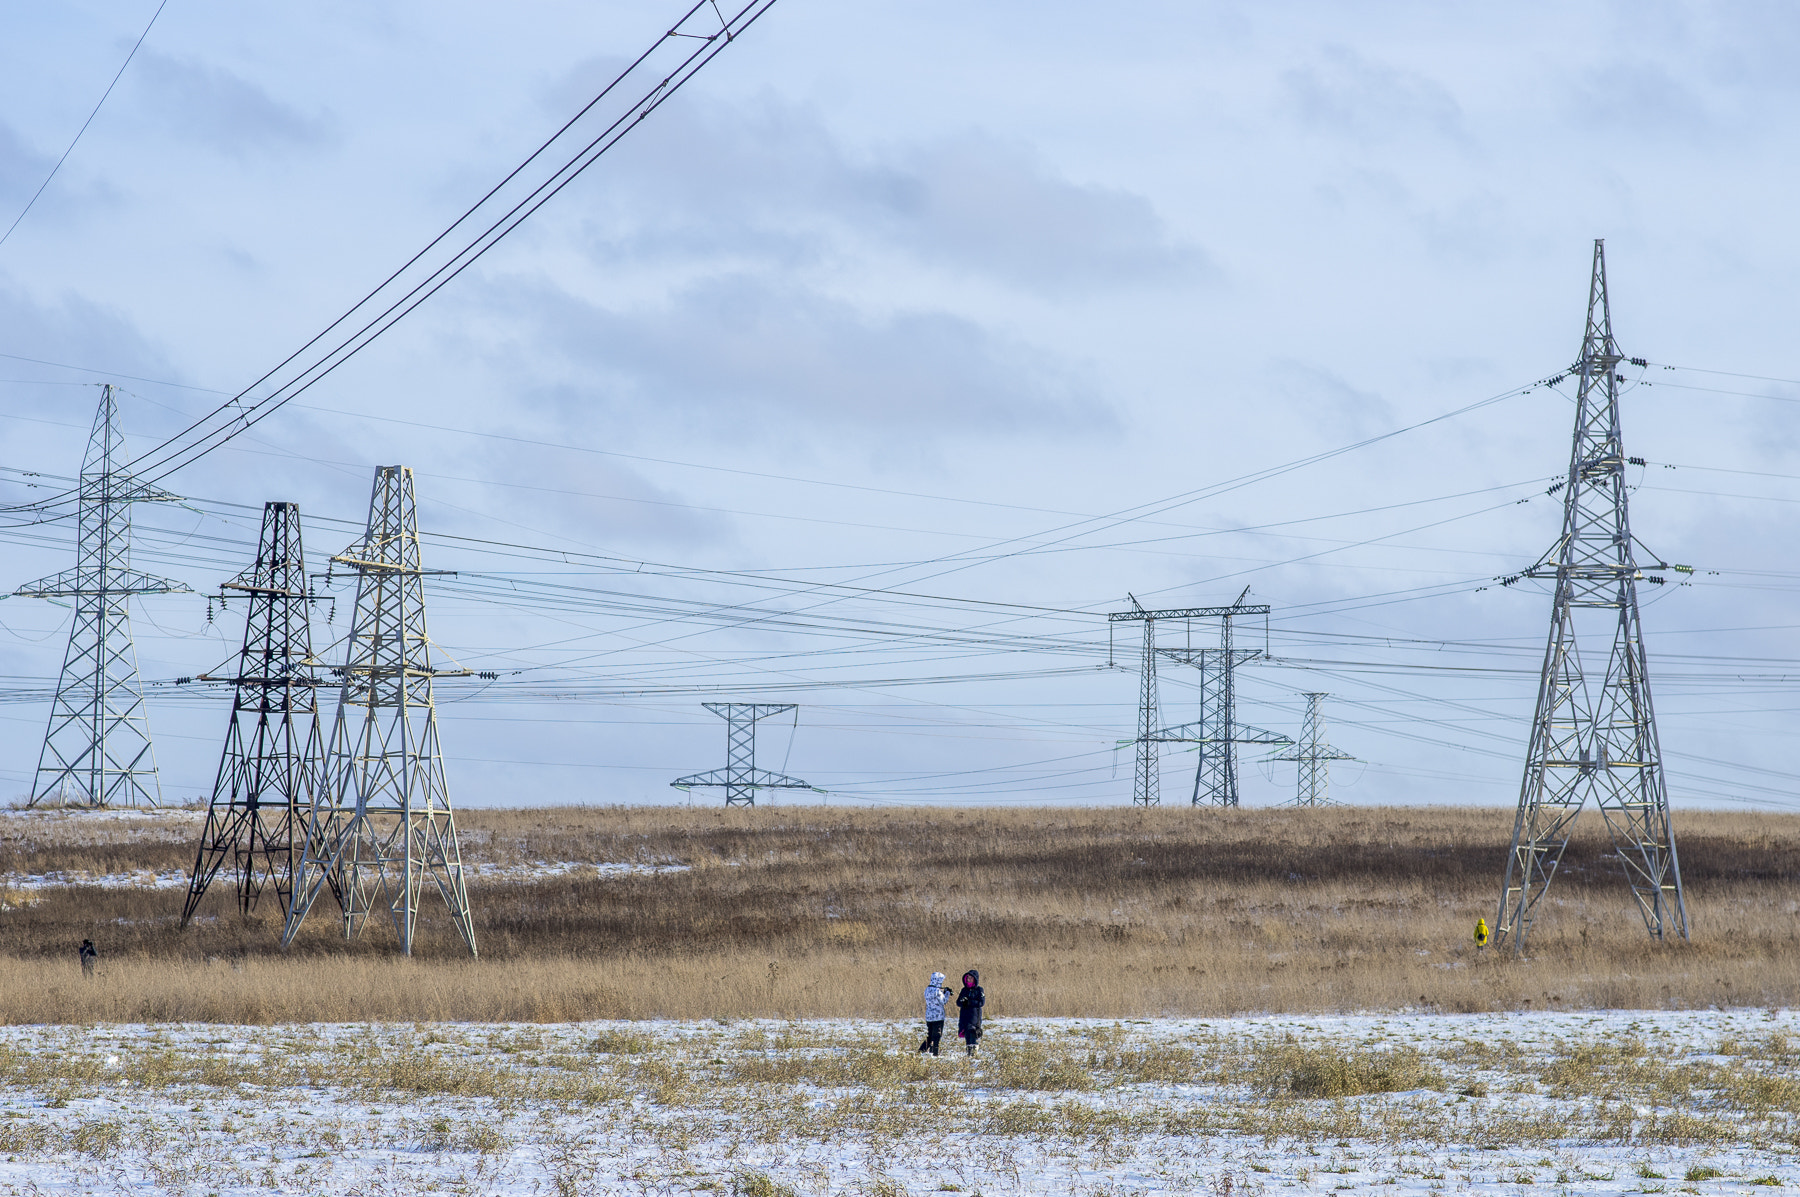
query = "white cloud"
{"x": 770, "y": 181}
{"x": 740, "y": 355}
{"x": 1344, "y": 92}
{"x": 214, "y": 106}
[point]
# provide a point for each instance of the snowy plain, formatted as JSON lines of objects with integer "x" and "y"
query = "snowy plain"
{"x": 482, "y": 871}
{"x": 1553, "y": 1102}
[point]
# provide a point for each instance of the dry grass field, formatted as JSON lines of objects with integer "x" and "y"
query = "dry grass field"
{"x": 830, "y": 912}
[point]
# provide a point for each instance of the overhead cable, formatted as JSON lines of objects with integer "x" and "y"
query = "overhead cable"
{"x": 701, "y": 34}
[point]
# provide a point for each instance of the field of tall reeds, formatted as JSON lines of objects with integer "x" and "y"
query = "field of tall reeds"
{"x": 811, "y": 911}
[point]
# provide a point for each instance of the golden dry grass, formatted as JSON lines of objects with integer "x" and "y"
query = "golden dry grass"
{"x": 814, "y": 911}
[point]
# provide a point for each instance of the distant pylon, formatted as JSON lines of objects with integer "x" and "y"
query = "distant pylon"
{"x": 270, "y": 767}
{"x": 1216, "y": 774}
{"x": 1313, "y": 755}
{"x": 1146, "y": 789}
{"x": 1585, "y": 742}
{"x": 1217, "y": 732}
{"x": 740, "y": 777}
{"x": 380, "y": 824}
{"x": 97, "y": 746}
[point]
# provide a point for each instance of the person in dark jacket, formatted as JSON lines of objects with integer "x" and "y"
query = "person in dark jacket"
{"x": 89, "y": 957}
{"x": 968, "y": 1004}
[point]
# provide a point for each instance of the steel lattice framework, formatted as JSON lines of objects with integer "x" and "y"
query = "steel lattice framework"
{"x": 1217, "y": 732}
{"x": 740, "y": 777}
{"x": 1586, "y": 739}
{"x": 97, "y": 747}
{"x": 1146, "y": 788}
{"x": 380, "y": 827}
{"x": 1313, "y": 755}
{"x": 269, "y": 770}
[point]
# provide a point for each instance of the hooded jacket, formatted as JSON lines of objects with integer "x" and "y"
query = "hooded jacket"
{"x": 934, "y": 998}
{"x": 968, "y": 1004}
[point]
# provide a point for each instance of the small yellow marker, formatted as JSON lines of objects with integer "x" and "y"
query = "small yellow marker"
{"x": 1481, "y": 933}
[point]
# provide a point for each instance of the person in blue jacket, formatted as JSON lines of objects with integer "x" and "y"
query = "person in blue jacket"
{"x": 968, "y": 1004}
{"x": 935, "y": 993}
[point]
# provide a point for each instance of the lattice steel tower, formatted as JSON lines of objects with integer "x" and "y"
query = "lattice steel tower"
{"x": 1216, "y": 776}
{"x": 97, "y": 746}
{"x": 380, "y": 827}
{"x": 1146, "y": 786}
{"x": 1586, "y": 738}
{"x": 740, "y": 777}
{"x": 271, "y": 765}
{"x": 1217, "y": 732}
{"x": 1313, "y": 755}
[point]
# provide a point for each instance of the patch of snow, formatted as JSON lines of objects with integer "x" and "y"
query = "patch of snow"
{"x": 606, "y": 1108}
{"x": 567, "y": 868}
{"x": 474, "y": 871}
{"x": 143, "y": 880}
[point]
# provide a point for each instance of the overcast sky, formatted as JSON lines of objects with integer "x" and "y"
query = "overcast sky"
{"x": 894, "y": 296}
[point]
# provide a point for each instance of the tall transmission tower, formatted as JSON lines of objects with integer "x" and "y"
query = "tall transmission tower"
{"x": 740, "y": 777}
{"x": 270, "y": 767}
{"x": 97, "y": 746}
{"x": 380, "y": 827}
{"x": 1146, "y": 787}
{"x": 1586, "y": 738}
{"x": 1313, "y": 755}
{"x": 1217, "y": 732}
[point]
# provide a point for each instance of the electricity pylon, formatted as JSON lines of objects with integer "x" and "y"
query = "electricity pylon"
{"x": 1313, "y": 755}
{"x": 740, "y": 777}
{"x": 380, "y": 825}
{"x": 1146, "y": 787}
{"x": 270, "y": 767}
{"x": 1585, "y": 740}
{"x": 97, "y": 745}
{"x": 1217, "y": 732}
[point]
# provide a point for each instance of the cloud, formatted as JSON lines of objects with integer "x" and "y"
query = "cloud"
{"x": 72, "y": 328}
{"x": 21, "y": 170}
{"x": 591, "y": 500}
{"x": 224, "y": 111}
{"x": 1640, "y": 98}
{"x": 769, "y": 180}
{"x": 729, "y": 351}
{"x": 1334, "y": 410}
{"x": 994, "y": 206}
{"x": 1348, "y": 95}
{"x": 47, "y": 422}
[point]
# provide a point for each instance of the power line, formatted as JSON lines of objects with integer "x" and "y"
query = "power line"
{"x": 84, "y": 124}
{"x": 698, "y": 37}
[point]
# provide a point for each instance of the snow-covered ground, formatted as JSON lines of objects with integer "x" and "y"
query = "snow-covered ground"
{"x": 484, "y": 871}
{"x": 532, "y": 871}
{"x": 1606, "y": 1102}
{"x": 142, "y": 880}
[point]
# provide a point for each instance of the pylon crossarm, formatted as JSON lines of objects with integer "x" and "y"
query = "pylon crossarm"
{"x": 379, "y": 565}
{"x": 394, "y": 671}
{"x": 264, "y": 590}
{"x": 760, "y": 779}
{"x": 1191, "y": 612}
{"x": 74, "y": 583}
{"x": 740, "y": 778}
